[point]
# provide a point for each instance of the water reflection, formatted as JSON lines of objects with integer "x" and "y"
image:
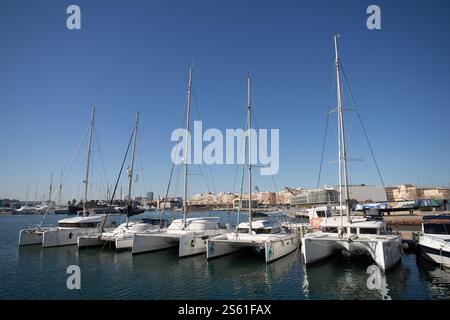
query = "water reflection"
{"x": 343, "y": 278}
{"x": 437, "y": 278}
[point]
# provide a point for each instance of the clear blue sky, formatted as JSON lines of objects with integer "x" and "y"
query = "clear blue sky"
{"x": 135, "y": 55}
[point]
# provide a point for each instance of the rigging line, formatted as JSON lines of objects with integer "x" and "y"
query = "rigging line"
{"x": 141, "y": 162}
{"x": 172, "y": 166}
{"x": 212, "y": 179}
{"x": 194, "y": 99}
{"x": 257, "y": 126}
{"x": 363, "y": 127}
{"x": 197, "y": 109}
{"x": 242, "y": 144}
{"x": 204, "y": 178}
{"x": 117, "y": 181}
{"x": 101, "y": 156}
{"x": 326, "y": 131}
{"x": 67, "y": 169}
{"x": 242, "y": 179}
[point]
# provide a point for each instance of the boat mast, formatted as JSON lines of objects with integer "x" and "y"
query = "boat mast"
{"x": 187, "y": 150}
{"x": 28, "y": 190}
{"x": 341, "y": 140}
{"x": 249, "y": 128}
{"x": 86, "y": 179}
{"x": 131, "y": 171}
{"x": 50, "y": 191}
{"x": 48, "y": 202}
{"x": 60, "y": 189}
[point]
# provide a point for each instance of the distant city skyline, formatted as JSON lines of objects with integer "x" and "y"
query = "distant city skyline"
{"x": 136, "y": 56}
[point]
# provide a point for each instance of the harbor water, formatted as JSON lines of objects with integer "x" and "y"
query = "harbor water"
{"x": 35, "y": 273}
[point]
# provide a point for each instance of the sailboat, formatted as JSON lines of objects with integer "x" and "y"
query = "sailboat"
{"x": 263, "y": 235}
{"x": 122, "y": 236}
{"x": 354, "y": 235}
{"x": 68, "y": 230}
{"x": 26, "y": 209}
{"x": 34, "y": 235}
{"x": 189, "y": 234}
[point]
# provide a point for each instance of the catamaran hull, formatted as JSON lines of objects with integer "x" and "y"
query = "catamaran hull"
{"x": 153, "y": 242}
{"x": 273, "y": 249}
{"x": 435, "y": 250}
{"x": 314, "y": 250}
{"x": 385, "y": 253}
{"x": 65, "y": 236}
{"x": 89, "y": 241}
{"x": 30, "y": 237}
{"x": 218, "y": 248}
{"x": 277, "y": 249}
{"x": 124, "y": 244}
{"x": 193, "y": 244}
{"x": 97, "y": 241}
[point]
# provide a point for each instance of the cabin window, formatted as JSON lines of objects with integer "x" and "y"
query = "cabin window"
{"x": 436, "y": 228}
{"x": 261, "y": 231}
{"x": 330, "y": 229}
{"x": 79, "y": 225}
{"x": 368, "y": 231}
{"x": 353, "y": 230}
{"x": 321, "y": 214}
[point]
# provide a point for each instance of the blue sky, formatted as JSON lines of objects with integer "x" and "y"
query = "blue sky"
{"x": 135, "y": 55}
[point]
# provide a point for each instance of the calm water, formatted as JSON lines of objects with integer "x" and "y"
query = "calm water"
{"x": 33, "y": 273}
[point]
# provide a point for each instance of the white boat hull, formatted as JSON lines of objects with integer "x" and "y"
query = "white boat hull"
{"x": 30, "y": 237}
{"x": 385, "y": 251}
{"x": 153, "y": 242}
{"x": 124, "y": 243}
{"x": 435, "y": 250}
{"x": 65, "y": 236}
{"x": 274, "y": 247}
{"x": 89, "y": 241}
{"x": 193, "y": 243}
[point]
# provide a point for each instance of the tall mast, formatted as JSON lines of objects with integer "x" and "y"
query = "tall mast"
{"x": 28, "y": 190}
{"x": 187, "y": 150}
{"x": 36, "y": 190}
{"x": 341, "y": 140}
{"x": 60, "y": 188}
{"x": 86, "y": 179}
{"x": 48, "y": 202}
{"x": 249, "y": 128}
{"x": 131, "y": 171}
{"x": 50, "y": 191}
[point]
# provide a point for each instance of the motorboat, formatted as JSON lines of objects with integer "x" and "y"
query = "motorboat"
{"x": 434, "y": 240}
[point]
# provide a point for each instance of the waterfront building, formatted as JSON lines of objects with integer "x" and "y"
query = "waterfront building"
{"x": 405, "y": 192}
{"x": 315, "y": 197}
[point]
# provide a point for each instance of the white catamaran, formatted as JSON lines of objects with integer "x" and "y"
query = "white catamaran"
{"x": 263, "y": 235}
{"x": 68, "y": 230}
{"x": 354, "y": 235}
{"x": 190, "y": 235}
